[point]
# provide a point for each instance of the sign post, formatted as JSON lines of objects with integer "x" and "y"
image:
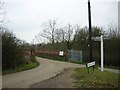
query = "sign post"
{"x": 102, "y": 52}
{"x": 91, "y": 64}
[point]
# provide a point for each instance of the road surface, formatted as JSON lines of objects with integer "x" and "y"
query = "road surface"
{"x": 46, "y": 70}
{"x": 62, "y": 80}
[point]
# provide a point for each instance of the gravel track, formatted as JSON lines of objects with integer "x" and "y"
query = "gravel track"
{"x": 46, "y": 70}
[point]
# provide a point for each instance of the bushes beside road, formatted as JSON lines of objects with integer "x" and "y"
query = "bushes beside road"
{"x": 32, "y": 63}
{"x": 13, "y": 58}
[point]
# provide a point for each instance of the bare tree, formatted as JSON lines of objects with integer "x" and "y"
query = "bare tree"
{"x": 2, "y": 28}
{"x": 55, "y": 33}
{"x": 2, "y": 13}
{"x": 113, "y": 30}
{"x": 69, "y": 36}
{"x": 49, "y": 31}
{"x": 60, "y": 35}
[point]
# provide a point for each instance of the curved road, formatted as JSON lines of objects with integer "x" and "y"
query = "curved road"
{"x": 46, "y": 69}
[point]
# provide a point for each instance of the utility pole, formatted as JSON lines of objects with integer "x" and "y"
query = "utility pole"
{"x": 90, "y": 32}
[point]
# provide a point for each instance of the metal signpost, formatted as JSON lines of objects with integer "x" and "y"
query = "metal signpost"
{"x": 102, "y": 52}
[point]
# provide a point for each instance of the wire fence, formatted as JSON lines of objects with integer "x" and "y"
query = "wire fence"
{"x": 75, "y": 55}
{"x": 70, "y": 54}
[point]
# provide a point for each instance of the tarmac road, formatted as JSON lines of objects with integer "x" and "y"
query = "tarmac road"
{"x": 46, "y": 70}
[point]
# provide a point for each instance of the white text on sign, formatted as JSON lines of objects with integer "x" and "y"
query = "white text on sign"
{"x": 90, "y": 64}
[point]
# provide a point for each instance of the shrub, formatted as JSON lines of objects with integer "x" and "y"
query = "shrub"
{"x": 12, "y": 54}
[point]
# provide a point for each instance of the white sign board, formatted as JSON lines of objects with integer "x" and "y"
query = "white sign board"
{"x": 90, "y": 64}
{"x": 96, "y": 38}
{"x": 61, "y": 53}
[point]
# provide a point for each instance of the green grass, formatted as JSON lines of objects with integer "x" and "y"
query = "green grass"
{"x": 53, "y": 57}
{"x": 112, "y": 67}
{"x": 65, "y": 59}
{"x": 77, "y": 62}
{"x": 31, "y": 64}
{"x": 95, "y": 79}
{"x": 59, "y": 58}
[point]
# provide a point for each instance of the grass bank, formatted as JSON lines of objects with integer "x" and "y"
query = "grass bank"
{"x": 31, "y": 64}
{"x": 113, "y": 67}
{"x": 65, "y": 59}
{"x": 53, "y": 57}
{"x": 95, "y": 79}
{"x": 59, "y": 58}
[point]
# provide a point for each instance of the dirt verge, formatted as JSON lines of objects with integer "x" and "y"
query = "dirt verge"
{"x": 61, "y": 80}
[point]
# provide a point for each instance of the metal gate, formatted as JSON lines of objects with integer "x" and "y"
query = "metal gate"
{"x": 75, "y": 55}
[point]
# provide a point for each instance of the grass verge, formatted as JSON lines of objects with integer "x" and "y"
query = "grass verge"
{"x": 113, "y": 67}
{"x": 31, "y": 64}
{"x": 95, "y": 79}
{"x": 65, "y": 59}
{"x": 59, "y": 58}
{"x": 53, "y": 57}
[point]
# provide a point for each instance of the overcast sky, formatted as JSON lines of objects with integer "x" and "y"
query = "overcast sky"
{"x": 25, "y": 17}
